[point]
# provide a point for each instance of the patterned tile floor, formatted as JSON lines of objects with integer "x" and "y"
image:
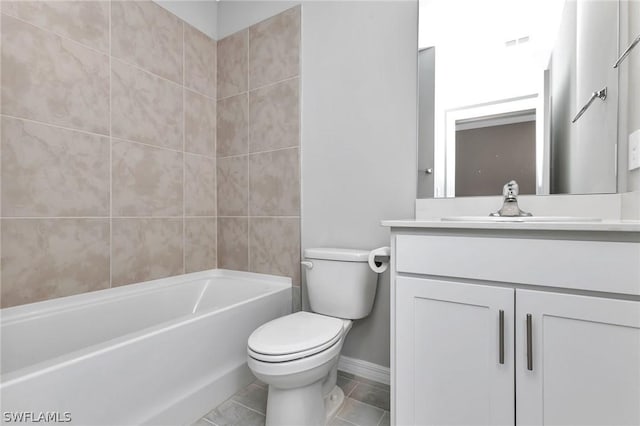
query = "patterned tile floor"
{"x": 366, "y": 404}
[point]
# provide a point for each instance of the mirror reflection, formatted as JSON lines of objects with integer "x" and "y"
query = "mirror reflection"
{"x": 501, "y": 83}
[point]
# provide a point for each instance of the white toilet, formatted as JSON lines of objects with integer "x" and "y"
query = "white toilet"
{"x": 297, "y": 355}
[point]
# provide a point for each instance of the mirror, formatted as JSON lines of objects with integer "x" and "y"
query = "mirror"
{"x": 500, "y": 83}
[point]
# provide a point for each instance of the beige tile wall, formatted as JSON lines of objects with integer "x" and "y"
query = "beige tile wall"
{"x": 258, "y": 135}
{"x": 108, "y": 145}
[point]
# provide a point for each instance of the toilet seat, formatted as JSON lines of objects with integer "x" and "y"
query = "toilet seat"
{"x": 294, "y": 336}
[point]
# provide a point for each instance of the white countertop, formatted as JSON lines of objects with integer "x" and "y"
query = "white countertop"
{"x": 605, "y": 225}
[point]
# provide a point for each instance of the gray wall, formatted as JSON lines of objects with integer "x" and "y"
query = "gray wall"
{"x": 581, "y": 63}
{"x": 358, "y": 137}
{"x": 629, "y": 94}
{"x": 562, "y": 77}
{"x": 202, "y": 14}
{"x": 594, "y": 157}
{"x": 234, "y": 15}
{"x": 358, "y": 146}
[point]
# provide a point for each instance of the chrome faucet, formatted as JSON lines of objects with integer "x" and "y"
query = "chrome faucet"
{"x": 510, "y": 207}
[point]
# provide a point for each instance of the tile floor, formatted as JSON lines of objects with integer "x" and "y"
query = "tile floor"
{"x": 366, "y": 404}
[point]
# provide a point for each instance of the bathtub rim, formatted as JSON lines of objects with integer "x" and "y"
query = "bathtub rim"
{"x": 34, "y": 370}
{"x": 41, "y": 308}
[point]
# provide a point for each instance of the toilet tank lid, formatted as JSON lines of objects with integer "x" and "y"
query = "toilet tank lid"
{"x": 342, "y": 254}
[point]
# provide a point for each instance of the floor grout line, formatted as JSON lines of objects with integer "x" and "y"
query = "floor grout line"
{"x": 362, "y": 402}
{"x": 248, "y": 408}
{"x": 383, "y": 412}
{"x": 352, "y": 389}
{"x": 366, "y": 403}
{"x": 346, "y": 421}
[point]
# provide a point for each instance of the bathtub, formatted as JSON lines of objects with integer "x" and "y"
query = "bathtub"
{"x": 162, "y": 352}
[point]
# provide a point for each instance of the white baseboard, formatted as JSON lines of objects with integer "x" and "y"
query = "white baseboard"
{"x": 365, "y": 369}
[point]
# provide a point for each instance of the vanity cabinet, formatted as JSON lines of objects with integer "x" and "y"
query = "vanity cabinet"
{"x": 448, "y": 351}
{"x": 476, "y": 342}
{"x": 585, "y": 366}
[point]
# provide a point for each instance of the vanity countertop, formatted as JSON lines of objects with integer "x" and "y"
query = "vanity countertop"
{"x": 604, "y": 226}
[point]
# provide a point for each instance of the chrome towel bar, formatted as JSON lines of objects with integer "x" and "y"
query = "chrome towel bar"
{"x": 602, "y": 94}
{"x": 627, "y": 51}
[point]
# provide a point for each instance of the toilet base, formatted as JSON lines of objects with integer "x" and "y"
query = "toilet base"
{"x": 333, "y": 402}
{"x": 302, "y": 407}
{"x": 296, "y": 407}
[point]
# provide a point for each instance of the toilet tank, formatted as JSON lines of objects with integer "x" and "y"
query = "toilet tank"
{"x": 340, "y": 282}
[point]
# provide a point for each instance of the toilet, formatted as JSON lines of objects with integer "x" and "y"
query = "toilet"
{"x": 297, "y": 355}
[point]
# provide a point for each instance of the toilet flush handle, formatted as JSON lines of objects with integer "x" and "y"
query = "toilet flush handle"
{"x": 307, "y": 264}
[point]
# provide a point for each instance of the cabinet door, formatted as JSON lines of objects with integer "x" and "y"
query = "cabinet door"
{"x": 448, "y": 364}
{"x": 584, "y": 363}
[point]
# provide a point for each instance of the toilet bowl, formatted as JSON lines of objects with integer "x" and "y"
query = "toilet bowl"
{"x": 297, "y": 355}
{"x": 297, "y": 366}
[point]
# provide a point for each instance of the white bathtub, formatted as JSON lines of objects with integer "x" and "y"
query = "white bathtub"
{"x": 159, "y": 352}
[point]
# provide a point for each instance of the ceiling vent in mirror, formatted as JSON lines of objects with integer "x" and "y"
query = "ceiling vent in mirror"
{"x": 516, "y": 41}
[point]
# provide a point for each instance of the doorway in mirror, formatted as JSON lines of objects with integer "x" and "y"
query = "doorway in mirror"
{"x": 494, "y": 150}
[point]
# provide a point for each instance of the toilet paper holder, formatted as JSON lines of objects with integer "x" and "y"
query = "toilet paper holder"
{"x": 379, "y": 259}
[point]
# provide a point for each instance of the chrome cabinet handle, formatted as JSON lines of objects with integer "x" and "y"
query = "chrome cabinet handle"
{"x": 529, "y": 344}
{"x": 427, "y": 171}
{"x": 501, "y": 336}
{"x": 600, "y": 94}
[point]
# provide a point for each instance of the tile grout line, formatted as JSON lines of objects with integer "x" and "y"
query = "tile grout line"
{"x": 110, "y": 160}
{"x": 352, "y": 389}
{"x": 264, "y": 86}
{"x": 65, "y": 37}
{"x": 162, "y": 147}
{"x": 151, "y": 73}
{"x": 107, "y": 217}
{"x": 346, "y": 421}
{"x": 244, "y": 406}
{"x": 249, "y": 266}
{"x": 215, "y": 152}
{"x": 258, "y": 217}
{"x": 267, "y": 151}
{"x": 366, "y": 403}
{"x": 197, "y": 92}
{"x": 369, "y": 405}
{"x": 102, "y": 135}
{"x": 57, "y": 126}
{"x": 184, "y": 157}
{"x": 380, "y": 419}
{"x": 109, "y": 53}
{"x": 372, "y": 383}
{"x": 2, "y": 268}
{"x": 301, "y": 198}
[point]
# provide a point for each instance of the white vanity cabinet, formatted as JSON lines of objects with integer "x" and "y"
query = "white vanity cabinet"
{"x": 515, "y": 327}
{"x": 448, "y": 351}
{"x": 584, "y": 362}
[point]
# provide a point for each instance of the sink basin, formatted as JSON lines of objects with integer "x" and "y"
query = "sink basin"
{"x": 520, "y": 219}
